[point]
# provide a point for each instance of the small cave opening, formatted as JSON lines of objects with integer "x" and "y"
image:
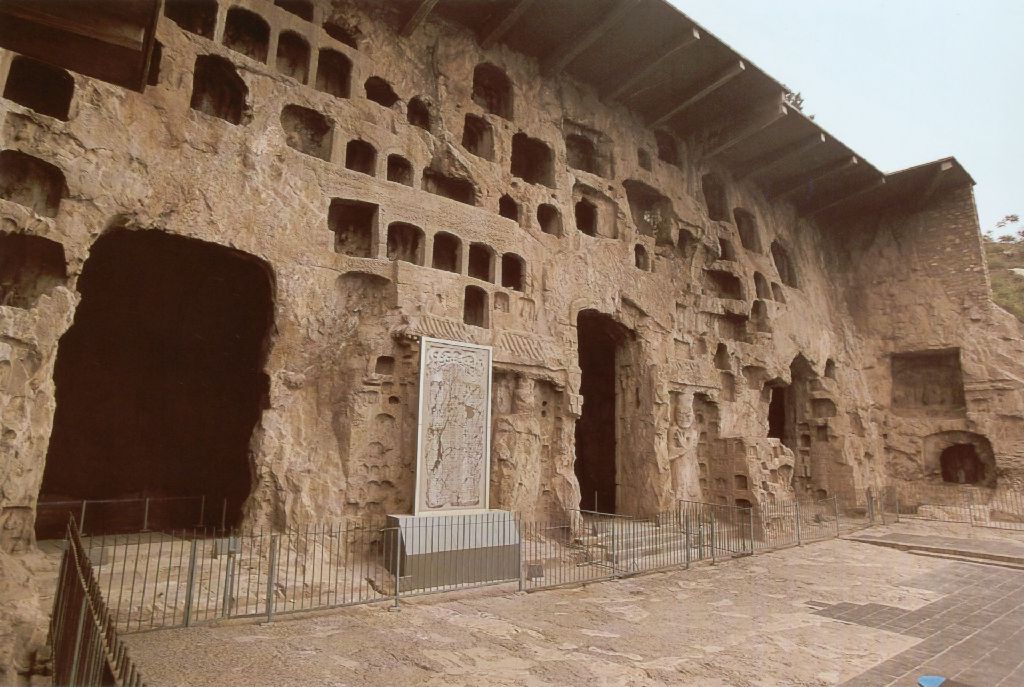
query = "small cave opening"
{"x": 31, "y": 182}
{"x": 474, "y": 307}
{"x": 641, "y": 259}
{"x": 784, "y": 265}
{"x": 725, "y": 250}
{"x": 651, "y": 210}
{"x": 247, "y": 33}
{"x": 830, "y": 369}
{"x": 40, "y": 87}
{"x": 581, "y": 153}
{"x": 333, "y": 73}
{"x": 761, "y": 287}
{"x": 195, "y": 16}
{"x": 293, "y": 56}
{"x": 961, "y": 464}
{"x": 481, "y": 262}
{"x": 724, "y": 284}
{"x": 777, "y": 413}
{"x": 405, "y": 243}
{"x": 643, "y": 158}
{"x": 307, "y": 131}
{"x": 380, "y": 91}
{"x": 668, "y": 150}
{"x": 343, "y": 33}
{"x": 714, "y": 197}
{"x": 722, "y": 359}
{"x": 418, "y": 114}
{"x": 218, "y": 90}
{"x": 385, "y": 365}
{"x": 740, "y": 482}
{"x": 30, "y": 267}
{"x": 447, "y": 252}
{"x": 746, "y": 224}
{"x": 438, "y": 183}
{"x": 513, "y": 271}
{"x": 160, "y": 381}
{"x": 478, "y": 137}
{"x": 549, "y": 219}
{"x": 533, "y": 160}
{"x": 354, "y": 225}
{"x": 361, "y": 157}
{"x": 508, "y": 208}
{"x": 586, "y": 217}
{"x": 600, "y": 340}
{"x": 303, "y": 9}
{"x": 492, "y": 90}
{"x": 399, "y": 170}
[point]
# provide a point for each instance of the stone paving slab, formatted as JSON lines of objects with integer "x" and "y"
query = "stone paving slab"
{"x": 1004, "y": 550}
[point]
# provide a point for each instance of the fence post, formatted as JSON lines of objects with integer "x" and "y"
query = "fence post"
{"x": 81, "y": 518}
{"x": 871, "y": 507}
{"x": 82, "y": 610}
{"x": 687, "y": 516}
{"x": 398, "y": 569}
{"x": 202, "y": 510}
{"x": 223, "y": 514}
{"x": 271, "y": 577}
{"x": 796, "y": 506}
{"x": 751, "y": 511}
{"x": 835, "y": 501}
{"x": 190, "y": 581}
{"x": 519, "y": 551}
{"x": 712, "y": 536}
{"x": 896, "y": 497}
{"x": 229, "y": 581}
{"x": 145, "y": 516}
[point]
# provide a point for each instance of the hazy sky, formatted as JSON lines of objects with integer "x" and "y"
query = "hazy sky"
{"x": 899, "y": 81}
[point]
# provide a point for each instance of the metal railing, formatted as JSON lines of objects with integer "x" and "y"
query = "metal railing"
{"x": 86, "y": 647}
{"x": 118, "y": 516}
{"x": 1000, "y": 508}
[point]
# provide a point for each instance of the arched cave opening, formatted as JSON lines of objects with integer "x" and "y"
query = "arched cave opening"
{"x": 961, "y": 464}
{"x": 159, "y": 381}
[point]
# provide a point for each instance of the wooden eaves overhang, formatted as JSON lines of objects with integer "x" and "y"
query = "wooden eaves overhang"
{"x": 676, "y": 75}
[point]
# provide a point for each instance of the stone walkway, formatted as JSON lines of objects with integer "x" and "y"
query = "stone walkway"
{"x": 1004, "y": 550}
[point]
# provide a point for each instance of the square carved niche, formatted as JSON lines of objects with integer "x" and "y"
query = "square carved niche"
{"x": 928, "y": 382}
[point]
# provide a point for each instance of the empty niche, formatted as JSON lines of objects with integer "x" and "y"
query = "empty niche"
{"x": 39, "y": 87}
{"x": 30, "y": 266}
{"x": 508, "y": 208}
{"x": 307, "y": 131}
{"x": 513, "y": 271}
{"x": 492, "y": 90}
{"x": 446, "y": 253}
{"x": 31, "y": 182}
{"x": 714, "y": 197}
{"x": 643, "y": 158}
{"x": 728, "y": 384}
{"x": 759, "y": 316}
{"x": 724, "y": 284}
{"x": 293, "y": 56}
{"x": 668, "y": 151}
{"x": 747, "y": 226}
{"x": 478, "y": 137}
{"x": 586, "y": 217}
{"x": 722, "y": 360}
{"x": 784, "y": 265}
{"x": 732, "y": 326}
{"x": 361, "y": 157}
{"x": 354, "y": 224}
{"x": 640, "y": 258}
{"x": 343, "y": 33}
{"x": 778, "y": 294}
{"x": 549, "y": 219}
{"x": 928, "y": 381}
{"x": 830, "y": 369}
{"x": 405, "y": 243}
{"x": 532, "y": 160}
{"x": 761, "y": 287}
{"x": 581, "y": 153}
{"x": 303, "y": 9}
{"x": 385, "y": 365}
{"x": 474, "y": 307}
{"x": 726, "y": 251}
{"x": 418, "y": 114}
{"x": 960, "y": 458}
{"x": 195, "y": 16}
{"x": 652, "y": 211}
{"x": 380, "y": 91}
{"x": 333, "y": 73}
{"x": 399, "y": 170}
{"x": 440, "y": 184}
{"x": 247, "y": 33}
{"x": 481, "y": 262}
{"x": 740, "y": 482}
{"x": 218, "y": 90}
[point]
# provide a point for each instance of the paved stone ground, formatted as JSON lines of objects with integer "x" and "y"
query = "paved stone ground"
{"x": 830, "y": 613}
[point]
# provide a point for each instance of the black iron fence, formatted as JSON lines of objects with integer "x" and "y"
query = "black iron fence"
{"x": 86, "y": 647}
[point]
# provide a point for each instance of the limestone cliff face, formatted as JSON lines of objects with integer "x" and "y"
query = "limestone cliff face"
{"x": 390, "y": 199}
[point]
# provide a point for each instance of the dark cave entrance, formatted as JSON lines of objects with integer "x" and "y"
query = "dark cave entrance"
{"x": 160, "y": 382}
{"x": 600, "y": 342}
{"x": 961, "y": 464}
{"x": 777, "y": 414}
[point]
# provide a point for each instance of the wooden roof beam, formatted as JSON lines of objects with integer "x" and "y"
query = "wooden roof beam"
{"x": 498, "y": 28}
{"x": 722, "y": 78}
{"x": 559, "y": 60}
{"x": 846, "y": 197}
{"x": 938, "y": 176}
{"x": 749, "y": 131}
{"x": 823, "y": 172}
{"x": 651, "y": 62}
{"x": 418, "y": 17}
{"x": 774, "y": 159}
